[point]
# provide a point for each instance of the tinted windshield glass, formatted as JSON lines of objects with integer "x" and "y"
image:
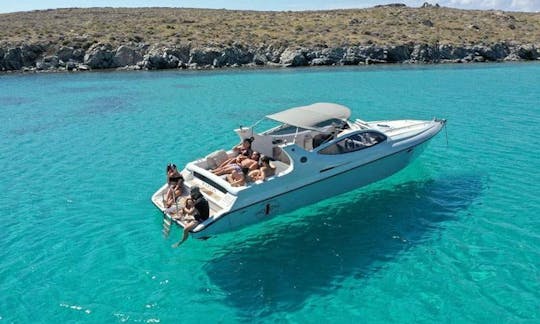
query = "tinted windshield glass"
{"x": 354, "y": 143}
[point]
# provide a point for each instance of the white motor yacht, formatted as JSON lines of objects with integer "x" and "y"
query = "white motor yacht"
{"x": 317, "y": 153}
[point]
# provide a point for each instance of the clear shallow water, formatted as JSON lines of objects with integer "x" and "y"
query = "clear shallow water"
{"x": 455, "y": 237}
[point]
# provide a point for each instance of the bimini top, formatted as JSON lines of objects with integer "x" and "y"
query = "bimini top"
{"x": 310, "y": 116}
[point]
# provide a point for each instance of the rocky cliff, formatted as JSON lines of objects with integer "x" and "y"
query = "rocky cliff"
{"x": 107, "y": 38}
{"x": 142, "y": 56}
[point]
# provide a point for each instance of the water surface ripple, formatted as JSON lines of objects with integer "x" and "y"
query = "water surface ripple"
{"x": 452, "y": 238}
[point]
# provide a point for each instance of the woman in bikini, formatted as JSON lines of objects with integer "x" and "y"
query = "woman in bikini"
{"x": 237, "y": 178}
{"x": 251, "y": 163}
{"x": 243, "y": 149}
{"x": 245, "y": 146}
{"x": 173, "y": 193}
{"x": 173, "y": 176}
{"x": 240, "y": 162}
{"x": 266, "y": 170}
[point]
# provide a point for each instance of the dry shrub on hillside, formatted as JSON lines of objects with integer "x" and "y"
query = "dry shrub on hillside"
{"x": 382, "y": 26}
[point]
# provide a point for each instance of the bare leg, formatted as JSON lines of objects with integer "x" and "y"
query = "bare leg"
{"x": 228, "y": 161}
{"x": 225, "y": 170}
{"x": 185, "y": 235}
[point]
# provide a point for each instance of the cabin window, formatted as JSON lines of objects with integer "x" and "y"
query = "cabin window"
{"x": 355, "y": 142}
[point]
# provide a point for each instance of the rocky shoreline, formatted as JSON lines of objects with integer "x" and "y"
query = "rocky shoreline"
{"x": 140, "y": 56}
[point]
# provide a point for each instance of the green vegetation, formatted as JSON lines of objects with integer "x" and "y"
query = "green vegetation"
{"x": 168, "y": 26}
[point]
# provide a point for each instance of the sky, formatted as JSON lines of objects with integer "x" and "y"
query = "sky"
{"x": 506, "y": 5}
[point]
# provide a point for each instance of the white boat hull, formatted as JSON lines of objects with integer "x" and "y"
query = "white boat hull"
{"x": 317, "y": 154}
{"x": 316, "y": 191}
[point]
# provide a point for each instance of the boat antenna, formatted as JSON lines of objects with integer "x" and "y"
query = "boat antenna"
{"x": 256, "y": 123}
{"x": 295, "y": 134}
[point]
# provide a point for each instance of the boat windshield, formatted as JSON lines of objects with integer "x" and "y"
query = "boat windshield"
{"x": 353, "y": 143}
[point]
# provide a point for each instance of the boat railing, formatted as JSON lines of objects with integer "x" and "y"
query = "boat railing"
{"x": 412, "y": 125}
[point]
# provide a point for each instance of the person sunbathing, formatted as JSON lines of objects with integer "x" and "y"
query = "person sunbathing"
{"x": 252, "y": 162}
{"x": 245, "y": 146}
{"x": 229, "y": 164}
{"x": 238, "y": 177}
{"x": 267, "y": 170}
{"x": 241, "y": 161}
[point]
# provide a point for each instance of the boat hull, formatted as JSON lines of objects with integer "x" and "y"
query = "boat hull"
{"x": 315, "y": 191}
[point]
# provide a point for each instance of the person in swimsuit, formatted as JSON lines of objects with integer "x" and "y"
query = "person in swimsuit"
{"x": 238, "y": 177}
{"x": 229, "y": 165}
{"x": 245, "y": 147}
{"x": 173, "y": 176}
{"x": 173, "y": 193}
{"x": 201, "y": 212}
{"x": 252, "y": 162}
{"x": 267, "y": 170}
{"x": 186, "y": 213}
{"x": 241, "y": 161}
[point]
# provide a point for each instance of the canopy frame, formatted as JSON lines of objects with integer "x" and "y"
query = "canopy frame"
{"x": 310, "y": 116}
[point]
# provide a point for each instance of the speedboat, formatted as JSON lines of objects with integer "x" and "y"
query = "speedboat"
{"x": 317, "y": 151}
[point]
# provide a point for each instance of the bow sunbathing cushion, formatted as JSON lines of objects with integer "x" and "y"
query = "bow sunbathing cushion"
{"x": 211, "y": 162}
{"x": 216, "y": 158}
{"x": 220, "y": 157}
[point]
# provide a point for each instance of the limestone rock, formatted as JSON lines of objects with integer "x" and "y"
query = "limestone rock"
{"x": 2, "y": 65}
{"x": 322, "y": 61}
{"x": 164, "y": 58}
{"x": 157, "y": 60}
{"x": 181, "y": 52}
{"x": 495, "y": 52}
{"x": 66, "y": 54}
{"x": 13, "y": 59}
{"x": 273, "y": 52}
{"x": 48, "y": 63}
{"x": 528, "y": 52}
{"x": 99, "y": 56}
{"x": 399, "y": 53}
{"x": 70, "y": 65}
{"x": 204, "y": 56}
{"x": 512, "y": 57}
{"x": 353, "y": 56}
{"x": 425, "y": 53}
{"x": 332, "y": 55}
{"x": 293, "y": 57}
{"x": 30, "y": 53}
{"x": 260, "y": 59}
{"x": 234, "y": 55}
{"x": 83, "y": 67}
{"x": 449, "y": 52}
{"x": 125, "y": 56}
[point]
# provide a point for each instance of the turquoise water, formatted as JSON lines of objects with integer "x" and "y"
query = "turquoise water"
{"x": 455, "y": 237}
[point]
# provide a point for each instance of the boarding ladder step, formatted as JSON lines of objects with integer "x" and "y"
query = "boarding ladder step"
{"x": 167, "y": 221}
